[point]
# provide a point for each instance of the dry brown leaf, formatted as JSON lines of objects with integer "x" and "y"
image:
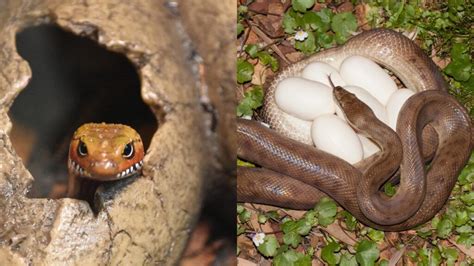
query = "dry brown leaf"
{"x": 468, "y": 251}
{"x": 340, "y": 234}
{"x": 361, "y": 15}
{"x": 396, "y": 257}
{"x": 345, "y": 7}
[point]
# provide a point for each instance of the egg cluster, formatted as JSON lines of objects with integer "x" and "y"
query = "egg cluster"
{"x": 309, "y": 99}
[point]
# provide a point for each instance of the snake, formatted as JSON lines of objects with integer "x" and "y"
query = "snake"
{"x": 430, "y": 147}
{"x": 102, "y": 152}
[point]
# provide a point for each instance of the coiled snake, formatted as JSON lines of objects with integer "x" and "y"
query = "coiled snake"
{"x": 432, "y": 128}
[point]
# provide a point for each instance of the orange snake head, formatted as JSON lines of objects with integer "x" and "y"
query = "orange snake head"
{"x": 105, "y": 152}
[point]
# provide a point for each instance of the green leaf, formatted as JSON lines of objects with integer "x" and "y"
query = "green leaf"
{"x": 302, "y": 5}
{"x": 244, "y": 71}
{"x": 327, "y": 210}
{"x": 460, "y": 70}
{"x": 467, "y": 175}
{"x": 325, "y": 40}
{"x": 303, "y": 227}
{"x": 240, "y": 208}
{"x": 262, "y": 218}
{"x": 348, "y": 259}
{"x": 340, "y": 39}
{"x": 460, "y": 67}
{"x": 344, "y": 24}
{"x": 464, "y": 229}
{"x": 267, "y": 59}
{"x": 326, "y": 16}
{"x": 466, "y": 239}
{"x": 351, "y": 221}
{"x": 314, "y": 21}
{"x": 244, "y": 216}
{"x": 451, "y": 255}
{"x": 424, "y": 256}
{"x": 329, "y": 253}
{"x": 435, "y": 257}
{"x": 444, "y": 228}
{"x": 435, "y": 221}
{"x": 460, "y": 218}
{"x": 376, "y": 235}
{"x": 424, "y": 232}
{"x": 273, "y": 215}
{"x": 240, "y": 229}
{"x": 269, "y": 247}
{"x": 242, "y": 9}
{"x": 307, "y": 46}
{"x": 292, "y": 258}
{"x": 240, "y": 28}
{"x": 367, "y": 252}
{"x": 289, "y": 22}
{"x": 252, "y": 50}
{"x": 292, "y": 238}
{"x": 252, "y": 100}
{"x": 389, "y": 189}
{"x": 459, "y": 50}
{"x": 468, "y": 198}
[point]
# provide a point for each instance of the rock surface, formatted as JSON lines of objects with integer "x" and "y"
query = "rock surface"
{"x": 146, "y": 220}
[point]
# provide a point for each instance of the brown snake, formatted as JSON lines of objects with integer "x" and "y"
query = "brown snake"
{"x": 296, "y": 175}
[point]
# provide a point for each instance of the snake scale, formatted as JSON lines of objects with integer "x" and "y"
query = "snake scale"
{"x": 295, "y": 175}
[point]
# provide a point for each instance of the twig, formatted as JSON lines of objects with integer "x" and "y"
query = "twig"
{"x": 268, "y": 40}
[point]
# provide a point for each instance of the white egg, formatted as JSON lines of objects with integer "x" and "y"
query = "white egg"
{"x": 363, "y": 72}
{"x": 368, "y": 146}
{"x": 321, "y": 72}
{"x": 394, "y": 105}
{"x": 303, "y": 98}
{"x": 331, "y": 134}
{"x": 367, "y": 98}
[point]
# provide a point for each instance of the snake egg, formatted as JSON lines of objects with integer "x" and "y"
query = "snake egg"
{"x": 332, "y": 135}
{"x": 321, "y": 72}
{"x": 303, "y": 98}
{"x": 367, "y": 98}
{"x": 368, "y": 146}
{"x": 364, "y": 73}
{"x": 394, "y": 105}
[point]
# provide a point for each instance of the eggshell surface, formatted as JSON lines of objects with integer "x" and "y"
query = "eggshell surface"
{"x": 364, "y": 73}
{"x": 395, "y": 104}
{"x": 303, "y": 98}
{"x": 321, "y": 72}
{"x": 368, "y": 146}
{"x": 331, "y": 134}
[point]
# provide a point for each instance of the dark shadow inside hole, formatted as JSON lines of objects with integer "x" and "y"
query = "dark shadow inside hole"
{"x": 74, "y": 81}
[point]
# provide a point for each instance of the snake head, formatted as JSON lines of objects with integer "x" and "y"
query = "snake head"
{"x": 105, "y": 152}
{"x": 354, "y": 109}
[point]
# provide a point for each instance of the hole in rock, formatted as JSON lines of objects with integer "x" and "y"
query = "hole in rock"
{"x": 74, "y": 81}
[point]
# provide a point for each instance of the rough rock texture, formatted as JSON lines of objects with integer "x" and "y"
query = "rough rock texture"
{"x": 216, "y": 49}
{"x": 146, "y": 220}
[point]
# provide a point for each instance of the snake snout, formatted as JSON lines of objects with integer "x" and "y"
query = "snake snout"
{"x": 103, "y": 168}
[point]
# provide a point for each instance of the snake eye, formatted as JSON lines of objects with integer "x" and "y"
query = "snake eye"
{"x": 128, "y": 151}
{"x": 82, "y": 149}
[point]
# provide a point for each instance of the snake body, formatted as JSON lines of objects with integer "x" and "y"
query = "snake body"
{"x": 296, "y": 175}
{"x": 101, "y": 152}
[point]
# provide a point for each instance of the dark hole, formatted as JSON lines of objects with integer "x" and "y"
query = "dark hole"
{"x": 74, "y": 81}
